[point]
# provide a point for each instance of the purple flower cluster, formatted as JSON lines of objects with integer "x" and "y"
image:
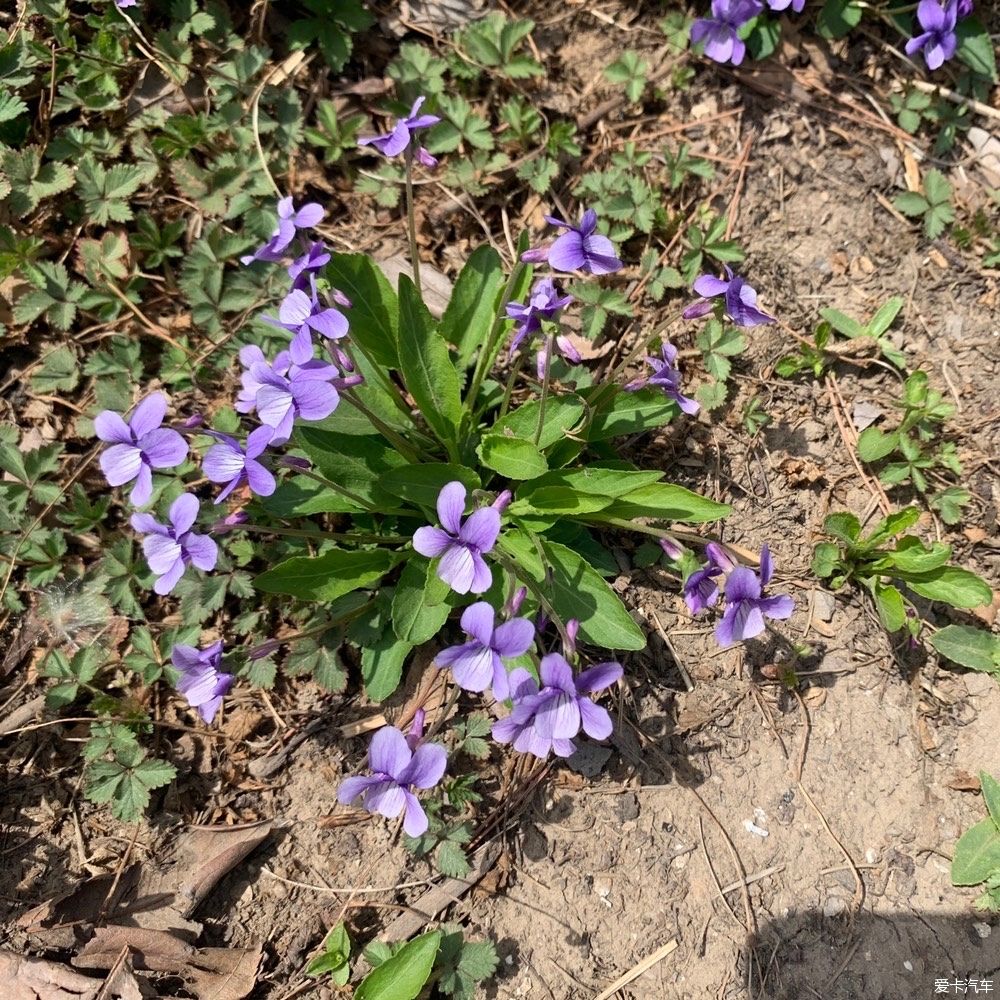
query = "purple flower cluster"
{"x": 547, "y": 717}
{"x": 398, "y": 765}
{"x": 665, "y": 376}
{"x": 400, "y": 138}
{"x": 938, "y": 40}
{"x": 139, "y": 446}
{"x": 745, "y": 606}
{"x": 478, "y": 663}
{"x": 460, "y": 544}
{"x": 200, "y": 680}
{"x": 738, "y": 297}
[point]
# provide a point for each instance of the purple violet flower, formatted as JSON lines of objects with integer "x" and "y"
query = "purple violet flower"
{"x": 235, "y": 464}
{"x": 303, "y": 268}
{"x": 290, "y": 221}
{"x": 122, "y": 4}
{"x": 746, "y": 609}
{"x": 401, "y": 136}
{"x": 720, "y": 31}
{"x": 396, "y": 769}
{"x": 938, "y": 39}
{"x": 582, "y": 248}
{"x": 700, "y": 589}
{"x": 460, "y": 545}
{"x": 665, "y": 376}
{"x": 281, "y": 391}
{"x": 169, "y": 548}
{"x": 740, "y": 299}
{"x": 543, "y": 303}
{"x": 200, "y": 680}
{"x": 797, "y": 5}
{"x": 478, "y": 664}
{"x": 302, "y": 314}
{"x": 139, "y": 446}
{"x": 548, "y": 718}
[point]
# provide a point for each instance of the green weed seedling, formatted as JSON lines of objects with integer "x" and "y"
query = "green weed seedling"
{"x": 933, "y": 206}
{"x": 889, "y": 563}
{"x": 825, "y": 349}
{"x": 911, "y": 447}
{"x": 977, "y": 853}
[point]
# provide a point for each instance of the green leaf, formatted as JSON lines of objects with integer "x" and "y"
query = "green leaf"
{"x": 977, "y": 854}
{"x": 975, "y": 48}
{"x": 911, "y": 203}
{"x": 335, "y": 957}
{"x": 575, "y": 590}
{"x": 58, "y": 372}
{"x": 631, "y": 413}
{"x": 598, "y": 480}
{"x": 912, "y": 556}
{"x": 512, "y": 457}
{"x": 418, "y": 613}
{"x": 843, "y": 526}
{"x": 885, "y": 316}
{"x": 452, "y": 860}
{"x": 824, "y": 559}
{"x": 890, "y": 607}
{"x": 421, "y": 484}
{"x": 561, "y": 413}
{"x": 874, "y": 444}
{"x": 958, "y": 587}
{"x": 403, "y": 976}
{"x": 665, "y": 501}
{"x": 382, "y": 665}
{"x": 838, "y": 17}
{"x": 354, "y": 462}
{"x": 374, "y": 307}
{"x": 469, "y": 316}
{"x": 559, "y": 500}
{"x": 428, "y": 372}
{"x": 328, "y": 576}
{"x": 894, "y": 524}
{"x": 969, "y": 647}
{"x": 991, "y": 795}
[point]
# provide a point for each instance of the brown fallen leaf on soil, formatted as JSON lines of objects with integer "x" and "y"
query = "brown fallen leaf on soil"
{"x": 209, "y": 973}
{"x": 26, "y": 978}
{"x": 168, "y": 895}
{"x": 121, "y": 982}
{"x": 84, "y": 903}
{"x": 962, "y": 781}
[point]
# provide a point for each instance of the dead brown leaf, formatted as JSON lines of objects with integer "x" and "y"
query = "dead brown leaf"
{"x": 962, "y": 781}
{"x": 209, "y": 973}
{"x": 26, "y": 978}
{"x": 121, "y": 984}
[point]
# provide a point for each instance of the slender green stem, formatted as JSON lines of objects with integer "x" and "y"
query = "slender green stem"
{"x": 536, "y": 591}
{"x": 550, "y": 347}
{"x": 411, "y": 222}
{"x": 492, "y": 346}
{"x": 337, "y": 536}
{"x": 343, "y": 491}
{"x": 508, "y": 391}
{"x": 398, "y": 442}
{"x": 387, "y": 383}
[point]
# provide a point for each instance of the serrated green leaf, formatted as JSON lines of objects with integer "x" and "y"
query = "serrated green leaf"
{"x": 970, "y": 647}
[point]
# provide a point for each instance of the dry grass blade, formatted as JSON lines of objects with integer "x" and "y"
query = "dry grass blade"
{"x": 638, "y": 969}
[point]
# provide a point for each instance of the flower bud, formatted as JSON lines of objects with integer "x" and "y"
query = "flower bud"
{"x": 720, "y": 557}
{"x": 264, "y": 649}
{"x": 349, "y": 381}
{"x": 535, "y": 255}
{"x": 697, "y": 309}
{"x": 503, "y": 500}
{"x": 416, "y": 729}
{"x": 572, "y": 629}
{"x": 229, "y": 522}
{"x": 193, "y": 422}
{"x": 671, "y": 548}
{"x": 295, "y": 462}
{"x": 425, "y": 158}
{"x": 517, "y": 599}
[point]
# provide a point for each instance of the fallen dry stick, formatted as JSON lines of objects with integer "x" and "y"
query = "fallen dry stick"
{"x": 637, "y": 970}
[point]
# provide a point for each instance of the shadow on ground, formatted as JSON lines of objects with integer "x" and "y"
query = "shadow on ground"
{"x": 887, "y": 956}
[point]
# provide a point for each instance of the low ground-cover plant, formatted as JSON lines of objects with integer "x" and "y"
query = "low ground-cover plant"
{"x": 410, "y": 469}
{"x": 977, "y": 853}
{"x": 891, "y": 564}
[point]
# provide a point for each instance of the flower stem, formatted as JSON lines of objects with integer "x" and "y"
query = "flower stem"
{"x": 492, "y": 346}
{"x": 546, "y": 378}
{"x": 337, "y": 536}
{"x": 344, "y": 492}
{"x": 398, "y": 442}
{"x": 411, "y": 221}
